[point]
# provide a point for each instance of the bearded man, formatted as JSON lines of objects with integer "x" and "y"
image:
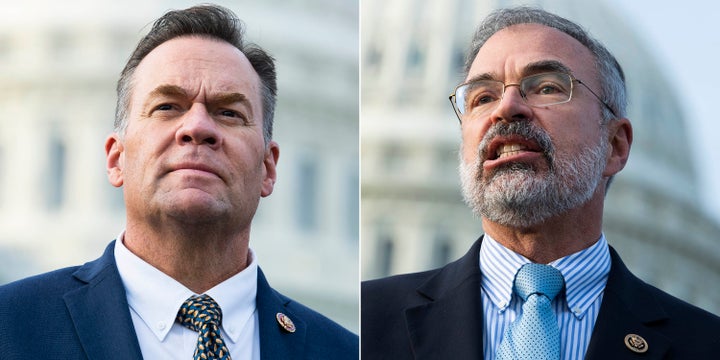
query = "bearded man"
{"x": 544, "y": 130}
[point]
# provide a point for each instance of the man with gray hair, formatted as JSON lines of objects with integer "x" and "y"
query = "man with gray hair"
{"x": 193, "y": 151}
{"x": 543, "y": 116}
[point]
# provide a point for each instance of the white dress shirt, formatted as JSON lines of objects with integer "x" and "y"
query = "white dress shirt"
{"x": 155, "y": 299}
{"x": 585, "y": 273}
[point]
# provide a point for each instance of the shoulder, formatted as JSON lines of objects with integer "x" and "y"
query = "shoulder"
{"x": 690, "y": 330}
{"x": 648, "y": 301}
{"x": 41, "y": 297}
{"x": 44, "y": 295}
{"x": 324, "y": 337}
{"x": 407, "y": 289}
{"x": 384, "y": 303}
{"x": 53, "y": 285}
{"x": 315, "y": 320}
{"x": 685, "y": 319}
{"x": 43, "y": 288}
{"x": 398, "y": 290}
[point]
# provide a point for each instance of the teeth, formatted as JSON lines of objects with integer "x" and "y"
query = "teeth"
{"x": 509, "y": 149}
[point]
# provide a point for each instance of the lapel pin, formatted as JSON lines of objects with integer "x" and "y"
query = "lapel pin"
{"x": 636, "y": 343}
{"x": 285, "y": 322}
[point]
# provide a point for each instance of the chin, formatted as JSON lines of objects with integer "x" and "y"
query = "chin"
{"x": 198, "y": 208}
{"x": 196, "y": 214}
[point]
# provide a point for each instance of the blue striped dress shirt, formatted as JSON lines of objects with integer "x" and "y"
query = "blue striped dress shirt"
{"x": 585, "y": 274}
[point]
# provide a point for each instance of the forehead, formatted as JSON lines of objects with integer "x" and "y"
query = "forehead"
{"x": 201, "y": 66}
{"x": 507, "y": 53}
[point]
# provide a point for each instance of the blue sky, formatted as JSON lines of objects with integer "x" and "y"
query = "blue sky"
{"x": 686, "y": 40}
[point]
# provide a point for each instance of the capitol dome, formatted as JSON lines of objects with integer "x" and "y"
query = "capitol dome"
{"x": 413, "y": 217}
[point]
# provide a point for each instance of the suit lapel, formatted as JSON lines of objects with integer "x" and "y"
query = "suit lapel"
{"x": 627, "y": 308}
{"x": 275, "y": 341}
{"x": 449, "y": 322}
{"x": 100, "y": 311}
{"x": 448, "y": 325}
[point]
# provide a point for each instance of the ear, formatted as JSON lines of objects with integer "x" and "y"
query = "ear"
{"x": 114, "y": 154}
{"x": 272, "y": 153}
{"x": 620, "y": 138}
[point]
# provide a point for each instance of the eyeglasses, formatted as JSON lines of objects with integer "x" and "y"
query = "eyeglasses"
{"x": 478, "y": 98}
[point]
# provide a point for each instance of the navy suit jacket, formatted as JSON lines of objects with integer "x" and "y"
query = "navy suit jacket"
{"x": 82, "y": 313}
{"x": 438, "y": 315}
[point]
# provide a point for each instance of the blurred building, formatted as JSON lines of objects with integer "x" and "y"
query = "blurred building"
{"x": 413, "y": 217}
{"x": 59, "y": 62}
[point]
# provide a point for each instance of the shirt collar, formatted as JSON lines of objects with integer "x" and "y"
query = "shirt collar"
{"x": 585, "y": 273}
{"x": 156, "y": 297}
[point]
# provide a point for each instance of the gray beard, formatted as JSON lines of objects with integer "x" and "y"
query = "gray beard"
{"x": 520, "y": 196}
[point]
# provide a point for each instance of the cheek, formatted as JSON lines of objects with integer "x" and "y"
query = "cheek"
{"x": 136, "y": 160}
{"x": 471, "y": 138}
{"x": 246, "y": 158}
{"x": 469, "y": 152}
{"x": 574, "y": 140}
{"x": 586, "y": 131}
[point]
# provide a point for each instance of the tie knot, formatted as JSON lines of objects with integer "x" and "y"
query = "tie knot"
{"x": 198, "y": 311}
{"x": 538, "y": 279}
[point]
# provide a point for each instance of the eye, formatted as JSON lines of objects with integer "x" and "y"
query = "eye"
{"x": 481, "y": 94}
{"x": 164, "y": 107}
{"x": 231, "y": 117}
{"x": 229, "y": 113}
{"x": 551, "y": 84}
{"x": 549, "y": 89}
{"x": 485, "y": 99}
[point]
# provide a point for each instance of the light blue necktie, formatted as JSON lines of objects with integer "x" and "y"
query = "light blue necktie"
{"x": 534, "y": 334}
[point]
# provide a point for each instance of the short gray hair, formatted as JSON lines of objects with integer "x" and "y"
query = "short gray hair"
{"x": 612, "y": 78}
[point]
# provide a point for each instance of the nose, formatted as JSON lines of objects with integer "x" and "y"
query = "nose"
{"x": 198, "y": 128}
{"x": 512, "y": 106}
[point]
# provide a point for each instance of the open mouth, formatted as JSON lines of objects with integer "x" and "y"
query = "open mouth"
{"x": 509, "y": 150}
{"x": 504, "y": 147}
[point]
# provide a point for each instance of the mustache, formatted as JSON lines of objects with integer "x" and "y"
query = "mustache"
{"x": 524, "y": 129}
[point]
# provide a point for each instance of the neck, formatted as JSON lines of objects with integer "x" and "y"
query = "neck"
{"x": 556, "y": 237}
{"x": 198, "y": 258}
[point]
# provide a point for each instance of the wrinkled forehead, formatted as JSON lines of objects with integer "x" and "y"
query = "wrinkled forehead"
{"x": 198, "y": 65}
{"x": 517, "y": 50}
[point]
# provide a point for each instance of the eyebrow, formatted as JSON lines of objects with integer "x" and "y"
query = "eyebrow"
{"x": 532, "y": 68}
{"x": 215, "y": 100}
{"x": 230, "y": 98}
{"x": 167, "y": 90}
{"x": 545, "y": 66}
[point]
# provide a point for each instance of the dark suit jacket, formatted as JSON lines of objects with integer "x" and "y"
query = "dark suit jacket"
{"x": 82, "y": 313}
{"x": 438, "y": 315}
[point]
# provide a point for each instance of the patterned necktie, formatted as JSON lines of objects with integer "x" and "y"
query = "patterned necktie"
{"x": 534, "y": 334}
{"x": 202, "y": 314}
